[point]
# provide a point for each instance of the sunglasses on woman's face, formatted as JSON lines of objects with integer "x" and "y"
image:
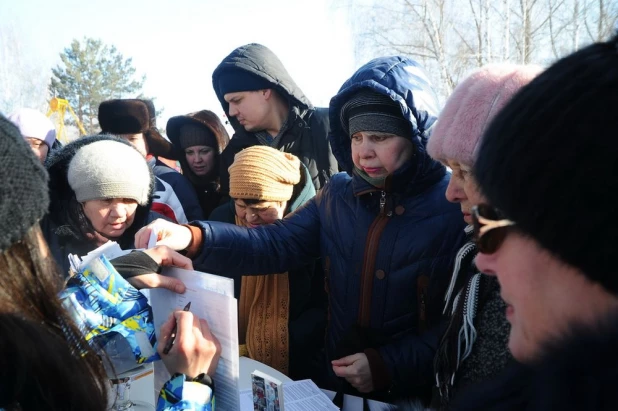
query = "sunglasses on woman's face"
{"x": 490, "y": 228}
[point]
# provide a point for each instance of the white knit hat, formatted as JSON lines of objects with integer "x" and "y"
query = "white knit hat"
{"x": 32, "y": 123}
{"x": 109, "y": 169}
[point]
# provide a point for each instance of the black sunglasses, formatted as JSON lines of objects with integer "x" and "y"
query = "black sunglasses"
{"x": 490, "y": 228}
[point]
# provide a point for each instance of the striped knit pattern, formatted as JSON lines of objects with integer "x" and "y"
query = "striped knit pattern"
{"x": 368, "y": 110}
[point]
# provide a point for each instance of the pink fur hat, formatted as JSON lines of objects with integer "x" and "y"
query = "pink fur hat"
{"x": 473, "y": 104}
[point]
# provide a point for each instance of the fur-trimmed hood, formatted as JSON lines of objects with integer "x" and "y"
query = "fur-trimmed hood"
{"x": 65, "y": 214}
{"x": 204, "y": 118}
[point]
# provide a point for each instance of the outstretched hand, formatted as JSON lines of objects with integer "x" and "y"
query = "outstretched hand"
{"x": 173, "y": 235}
{"x": 162, "y": 256}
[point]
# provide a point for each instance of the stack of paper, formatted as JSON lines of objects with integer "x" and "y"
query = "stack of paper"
{"x": 212, "y": 298}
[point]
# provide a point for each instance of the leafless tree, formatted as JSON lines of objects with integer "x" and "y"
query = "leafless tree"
{"x": 450, "y": 37}
{"x": 23, "y": 83}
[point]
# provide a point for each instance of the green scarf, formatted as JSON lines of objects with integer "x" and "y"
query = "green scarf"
{"x": 377, "y": 182}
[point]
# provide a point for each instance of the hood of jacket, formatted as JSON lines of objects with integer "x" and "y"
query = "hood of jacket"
{"x": 405, "y": 82}
{"x": 204, "y": 118}
{"x": 262, "y": 62}
{"x": 65, "y": 213}
{"x": 303, "y": 191}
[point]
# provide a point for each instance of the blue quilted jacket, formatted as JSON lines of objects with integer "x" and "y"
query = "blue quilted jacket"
{"x": 384, "y": 252}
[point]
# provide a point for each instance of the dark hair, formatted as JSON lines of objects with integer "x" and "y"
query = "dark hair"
{"x": 47, "y": 363}
{"x": 548, "y": 160}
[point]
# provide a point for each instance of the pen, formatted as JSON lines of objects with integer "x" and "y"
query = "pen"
{"x": 170, "y": 342}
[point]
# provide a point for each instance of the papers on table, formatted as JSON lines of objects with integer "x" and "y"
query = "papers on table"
{"x": 212, "y": 298}
{"x": 301, "y": 395}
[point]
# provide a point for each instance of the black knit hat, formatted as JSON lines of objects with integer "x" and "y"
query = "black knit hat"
{"x": 192, "y": 134}
{"x": 233, "y": 81}
{"x": 368, "y": 110}
{"x": 24, "y": 195}
{"x": 549, "y": 161}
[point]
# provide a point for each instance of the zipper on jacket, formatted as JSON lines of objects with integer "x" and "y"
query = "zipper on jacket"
{"x": 371, "y": 251}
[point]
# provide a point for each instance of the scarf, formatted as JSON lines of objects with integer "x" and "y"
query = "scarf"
{"x": 267, "y": 140}
{"x": 377, "y": 182}
{"x": 460, "y": 335}
{"x": 263, "y": 317}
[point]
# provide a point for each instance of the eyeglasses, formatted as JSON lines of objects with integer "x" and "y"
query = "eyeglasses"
{"x": 490, "y": 228}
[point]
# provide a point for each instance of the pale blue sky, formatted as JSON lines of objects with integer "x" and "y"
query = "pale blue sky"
{"x": 177, "y": 44}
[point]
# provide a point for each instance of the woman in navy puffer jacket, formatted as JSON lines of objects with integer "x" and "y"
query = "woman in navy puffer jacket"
{"x": 384, "y": 230}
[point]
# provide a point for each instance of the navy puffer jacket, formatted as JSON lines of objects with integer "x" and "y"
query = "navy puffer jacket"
{"x": 381, "y": 261}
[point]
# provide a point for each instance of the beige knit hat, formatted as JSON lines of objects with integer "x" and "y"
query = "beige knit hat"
{"x": 109, "y": 169}
{"x": 263, "y": 173}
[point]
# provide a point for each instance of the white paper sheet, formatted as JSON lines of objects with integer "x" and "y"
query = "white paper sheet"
{"x": 212, "y": 298}
{"x": 197, "y": 280}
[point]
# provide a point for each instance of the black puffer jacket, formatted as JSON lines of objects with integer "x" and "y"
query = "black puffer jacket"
{"x": 579, "y": 372}
{"x": 307, "y": 133}
{"x": 65, "y": 227}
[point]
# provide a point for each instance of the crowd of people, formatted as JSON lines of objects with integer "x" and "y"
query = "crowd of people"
{"x": 457, "y": 258}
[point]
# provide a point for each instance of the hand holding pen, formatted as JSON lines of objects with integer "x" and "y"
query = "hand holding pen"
{"x": 193, "y": 348}
{"x": 170, "y": 341}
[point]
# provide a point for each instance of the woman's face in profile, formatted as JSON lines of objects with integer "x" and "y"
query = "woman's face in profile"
{"x": 110, "y": 217}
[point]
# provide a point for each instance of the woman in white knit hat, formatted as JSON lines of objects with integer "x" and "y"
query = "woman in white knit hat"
{"x": 47, "y": 362}
{"x": 101, "y": 189}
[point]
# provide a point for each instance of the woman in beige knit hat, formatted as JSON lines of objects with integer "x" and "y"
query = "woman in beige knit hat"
{"x": 281, "y": 317}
